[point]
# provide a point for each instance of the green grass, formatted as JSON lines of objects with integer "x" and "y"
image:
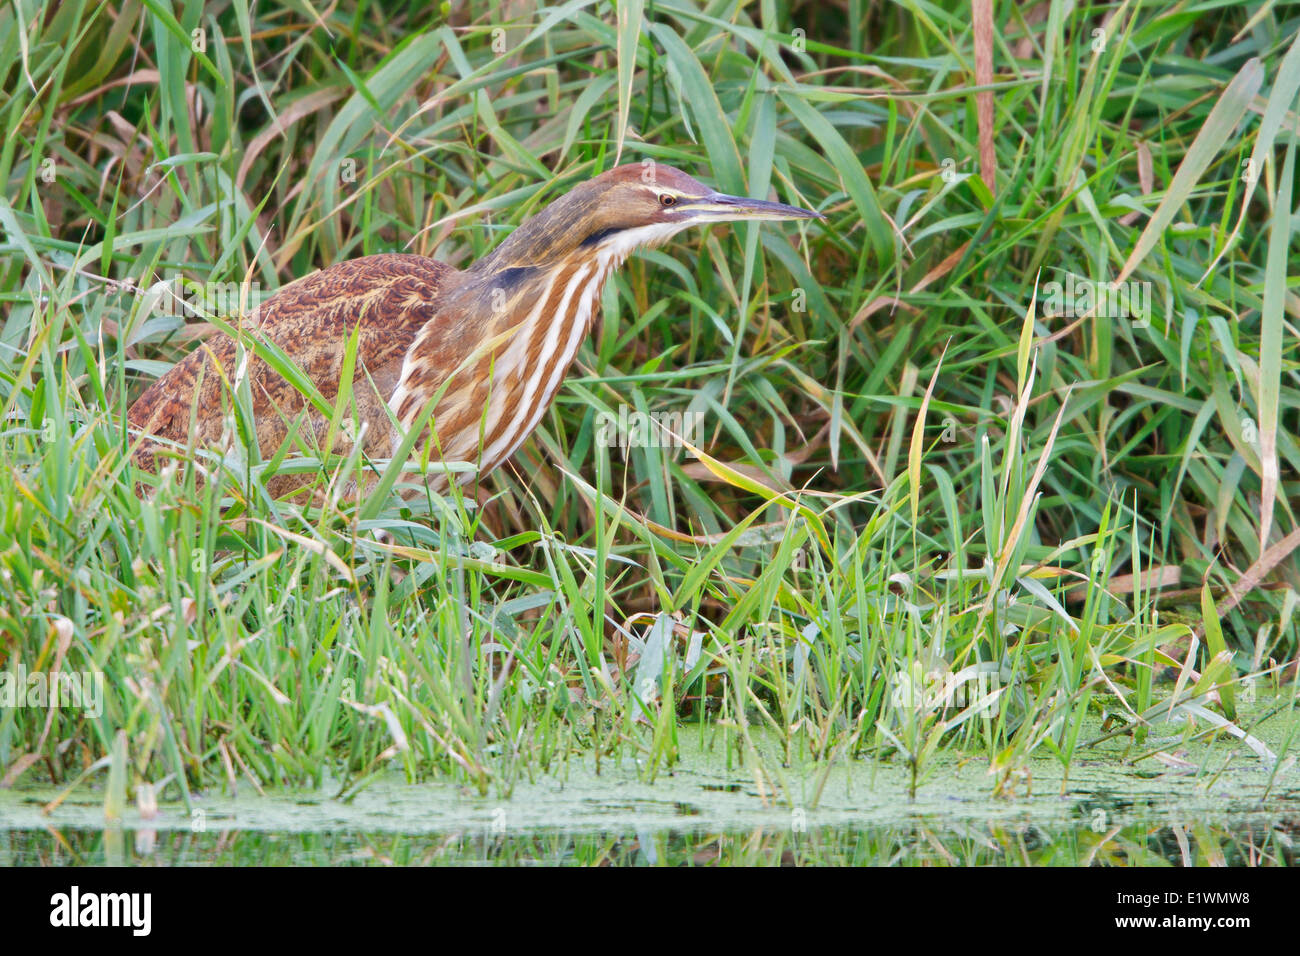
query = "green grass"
{"x": 909, "y": 472}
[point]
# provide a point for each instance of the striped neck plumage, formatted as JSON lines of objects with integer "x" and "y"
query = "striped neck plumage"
{"x": 519, "y": 332}
{"x": 502, "y": 336}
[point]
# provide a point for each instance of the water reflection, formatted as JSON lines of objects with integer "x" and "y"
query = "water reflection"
{"x": 1092, "y": 841}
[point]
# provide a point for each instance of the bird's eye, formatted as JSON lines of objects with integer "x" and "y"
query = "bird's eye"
{"x": 667, "y": 200}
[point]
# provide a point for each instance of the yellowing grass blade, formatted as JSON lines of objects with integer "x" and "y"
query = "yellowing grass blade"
{"x": 318, "y": 547}
{"x": 738, "y": 480}
{"x": 629, "y": 35}
{"x": 1270, "y": 344}
{"x": 1218, "y": 128}
{"x": 918, "y": 441}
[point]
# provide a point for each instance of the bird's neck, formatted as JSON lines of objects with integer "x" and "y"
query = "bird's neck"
{"x": 540, "y": 332}
{"x": 506, "y": 335}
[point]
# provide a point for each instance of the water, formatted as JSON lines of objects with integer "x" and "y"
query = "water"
{"x": 1214, "y": 803}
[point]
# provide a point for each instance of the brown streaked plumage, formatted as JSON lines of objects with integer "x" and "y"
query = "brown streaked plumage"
{"x": 504, "y": 331}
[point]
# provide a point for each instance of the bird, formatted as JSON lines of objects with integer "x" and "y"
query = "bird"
{"x": 488, "y": 346}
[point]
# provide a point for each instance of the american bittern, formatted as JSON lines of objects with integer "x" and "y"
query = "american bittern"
{"x": 504, "y": 331}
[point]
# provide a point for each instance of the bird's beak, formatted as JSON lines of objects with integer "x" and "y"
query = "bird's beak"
{"x": 718, "y": 207}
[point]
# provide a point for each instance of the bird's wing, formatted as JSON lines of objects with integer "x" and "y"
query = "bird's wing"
{"x": 311, "y": 320}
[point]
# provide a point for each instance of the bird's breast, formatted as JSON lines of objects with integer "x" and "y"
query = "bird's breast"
{"x": 493, "y": 401}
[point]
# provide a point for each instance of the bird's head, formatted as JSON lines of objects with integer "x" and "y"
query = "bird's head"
{"x": 511, "y": 324}
{"x": 628, "y": 208}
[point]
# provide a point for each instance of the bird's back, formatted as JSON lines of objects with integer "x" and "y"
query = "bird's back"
{"x": 390, "y": 296}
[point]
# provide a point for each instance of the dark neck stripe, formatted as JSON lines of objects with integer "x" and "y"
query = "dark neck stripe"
{"x": 597, "y": 236}
{"x": 507, "y": 279}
